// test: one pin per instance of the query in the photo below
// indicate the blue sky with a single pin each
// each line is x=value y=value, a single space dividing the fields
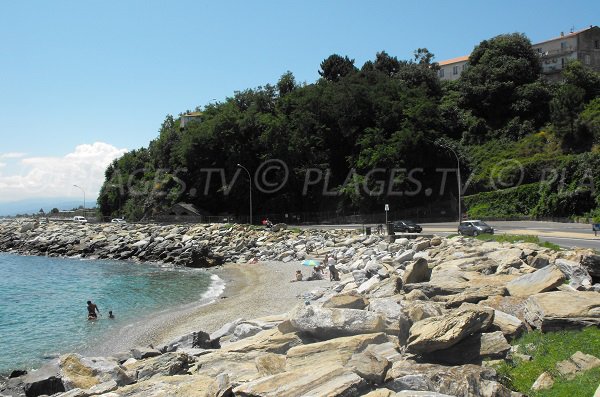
x=91 y=79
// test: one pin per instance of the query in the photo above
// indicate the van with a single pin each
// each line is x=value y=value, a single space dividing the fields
x=79 y=219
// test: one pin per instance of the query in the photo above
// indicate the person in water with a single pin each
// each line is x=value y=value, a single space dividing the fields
x=110 y=314
x=93 y=310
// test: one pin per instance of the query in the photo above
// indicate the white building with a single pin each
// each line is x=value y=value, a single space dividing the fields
x=582 y=45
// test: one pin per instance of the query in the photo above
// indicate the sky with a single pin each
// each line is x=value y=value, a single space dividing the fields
x=82 y=82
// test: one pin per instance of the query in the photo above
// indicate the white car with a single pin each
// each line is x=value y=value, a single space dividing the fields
x=79 y=219
x=118 y=220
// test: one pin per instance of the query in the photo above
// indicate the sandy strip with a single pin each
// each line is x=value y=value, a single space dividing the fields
x=252 y=291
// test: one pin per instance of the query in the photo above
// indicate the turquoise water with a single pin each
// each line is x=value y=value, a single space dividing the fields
x=43 y=302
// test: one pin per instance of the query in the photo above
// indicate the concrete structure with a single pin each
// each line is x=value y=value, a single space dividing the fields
x=582 y=45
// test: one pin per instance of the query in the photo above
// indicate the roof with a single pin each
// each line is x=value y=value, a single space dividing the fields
x=454 y=60
x=192 y=114
x=565 y=36
x=189 y=207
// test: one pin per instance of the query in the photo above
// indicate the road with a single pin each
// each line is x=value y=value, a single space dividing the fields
x=567 y=235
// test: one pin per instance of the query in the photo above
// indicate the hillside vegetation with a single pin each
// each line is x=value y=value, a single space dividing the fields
x=360 y=137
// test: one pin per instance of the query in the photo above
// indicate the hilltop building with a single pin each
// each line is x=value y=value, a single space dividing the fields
x=188 y=117
x=582 y=45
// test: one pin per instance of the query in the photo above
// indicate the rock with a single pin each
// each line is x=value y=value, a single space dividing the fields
x=244 y=330
x=386 y=288
x=474 y=349
x=318 y=381
x=172 y=386
x=462 y=380
x=370 y=366
x=442 y=332
x=350 y=300
x=420 y=310
x=140 y=353
x=541 y=280
x=404 y=256
x=103 y=388
x=474 y=295
x=539 y=261
x=16 y=373
x=551 y=311
x=168 y=364
x=396 y=321
x=360 y=276
x=591 y=263
x=421 y=245
x=85 y=372
x=435 y=241
x=368 y=285
x=46 y=380
x=577 y=275
x=270 y=340
x=325 y=323
x=578 y=363
x=417 y=272
x=510 y=326
x=332 y=352
x=279 y=226
x=416 y=295
x=543 y=382
x=270 y=364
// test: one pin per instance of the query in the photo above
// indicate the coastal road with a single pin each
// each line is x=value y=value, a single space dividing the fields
x=566 y=235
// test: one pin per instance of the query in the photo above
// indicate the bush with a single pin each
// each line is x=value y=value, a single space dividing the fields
x=506 y=203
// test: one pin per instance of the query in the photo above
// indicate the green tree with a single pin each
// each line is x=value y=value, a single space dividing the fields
x=286 y=83
x=336 y=67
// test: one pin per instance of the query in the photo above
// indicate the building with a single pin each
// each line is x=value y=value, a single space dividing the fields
x=186 y=118
x=582 y=45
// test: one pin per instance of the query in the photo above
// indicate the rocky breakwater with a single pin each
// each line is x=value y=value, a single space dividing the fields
x=184 y=245
x=407 y=319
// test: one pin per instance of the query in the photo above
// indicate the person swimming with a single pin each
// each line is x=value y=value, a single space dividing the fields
x=110 y=314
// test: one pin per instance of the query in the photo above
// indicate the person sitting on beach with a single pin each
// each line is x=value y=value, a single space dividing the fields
x=316 y=274
x=110 y=314
x=92 y=309
x=298 y=276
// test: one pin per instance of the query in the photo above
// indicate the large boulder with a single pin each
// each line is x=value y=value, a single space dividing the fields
x=460 y=381
x=552 y=311
x=416 y=272
x=168 y=364
x=592 y=263
x=474 y=295
x=576 y=364
x=323 y=323
x=442 y=332
x=371 y=366
x=578 y=276
x=510 y=326
x=85 y=372
x=46 y=380
x=350 y=300
x=474 y=349
x=542 y=280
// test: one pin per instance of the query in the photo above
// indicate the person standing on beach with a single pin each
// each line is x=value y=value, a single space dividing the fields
x=92 y=309
x=333 y=273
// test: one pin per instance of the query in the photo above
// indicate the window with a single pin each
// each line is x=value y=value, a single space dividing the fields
x=562 y=62
x=455 y=70
x=597 y=44
x=464 y=67
x=587 y=59
x=563 y=45
x=441 y=73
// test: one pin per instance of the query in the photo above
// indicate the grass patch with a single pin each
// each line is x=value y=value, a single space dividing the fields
x=548 y=349
x=518 y=238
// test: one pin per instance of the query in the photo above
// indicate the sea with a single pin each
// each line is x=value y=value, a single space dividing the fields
x=43 y=310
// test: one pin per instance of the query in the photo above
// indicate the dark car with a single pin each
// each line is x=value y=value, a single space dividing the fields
x=407 y=227
x=474 y=228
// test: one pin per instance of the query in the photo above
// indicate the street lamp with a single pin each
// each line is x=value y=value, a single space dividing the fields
x=250 y=187
x=457 y=179
x=83 y=198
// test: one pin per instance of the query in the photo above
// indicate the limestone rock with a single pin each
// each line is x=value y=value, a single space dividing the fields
x=85 y=372
x=592 y=264
x=172 y=386
x=557 y=310
x=140 y=353
x=270 y=340
x=270 y=364
x=539 y=261
x=168 y=364
x=370 y=366
x=46 y=380
x=474 y=349
x=578 y=363
x=318 y=381
x=346 y=301
x=442 y=332
x=543 y=382
x=474 y=295
x=541 y=280
x=509 y=325
x=325 y=323
x=416 y=295
x=577 y=275
x=416 y=272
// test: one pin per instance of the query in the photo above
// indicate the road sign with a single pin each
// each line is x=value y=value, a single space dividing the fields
x=387 y=207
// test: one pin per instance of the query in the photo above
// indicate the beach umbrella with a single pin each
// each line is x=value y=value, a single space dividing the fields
x=311 y=262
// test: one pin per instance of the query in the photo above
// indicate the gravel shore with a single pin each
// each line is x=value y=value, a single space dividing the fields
x=251 y=291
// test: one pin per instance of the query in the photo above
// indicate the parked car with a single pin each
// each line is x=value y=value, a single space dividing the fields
x=79 y=219
x=118 y=220
x=474 y=228
x=407 y=227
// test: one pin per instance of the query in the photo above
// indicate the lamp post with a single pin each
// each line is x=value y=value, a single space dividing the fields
x=457 y=180
x=250 y=188
x=83 y=198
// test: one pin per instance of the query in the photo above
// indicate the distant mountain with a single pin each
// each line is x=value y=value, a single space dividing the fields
x=33 y=205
